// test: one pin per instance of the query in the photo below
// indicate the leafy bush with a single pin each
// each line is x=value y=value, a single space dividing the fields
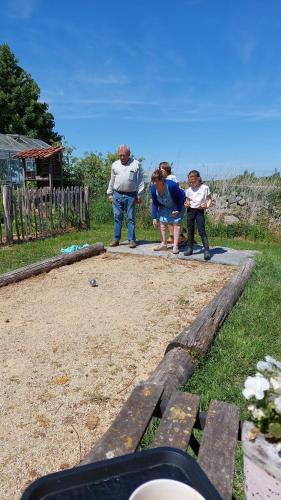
x=240 y=230
x=274 y=199
x=92 y=170
x=100 y=210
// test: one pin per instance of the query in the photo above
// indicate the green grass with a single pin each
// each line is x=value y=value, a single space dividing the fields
x=22 y=254
x=251 y=331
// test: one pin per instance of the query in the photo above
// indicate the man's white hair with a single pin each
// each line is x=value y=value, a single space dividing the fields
x=124 y=146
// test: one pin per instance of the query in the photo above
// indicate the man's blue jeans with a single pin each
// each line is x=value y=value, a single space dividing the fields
x=124 y=203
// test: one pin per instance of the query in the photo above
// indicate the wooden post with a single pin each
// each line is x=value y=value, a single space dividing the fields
x=8 y=212
x=81 y=206
x=61 y=168
x=21 y=216
x=87 y=212
x=174 y=370
x=198 y=337
x=15 y=206
x=51 y=174
x=24 y=172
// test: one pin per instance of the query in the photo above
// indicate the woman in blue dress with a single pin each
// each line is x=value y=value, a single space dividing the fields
x=167 y=208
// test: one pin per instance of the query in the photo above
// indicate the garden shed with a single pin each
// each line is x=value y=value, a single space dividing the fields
x=25 y=159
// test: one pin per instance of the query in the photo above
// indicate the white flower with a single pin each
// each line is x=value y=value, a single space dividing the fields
x=276 y=383
x=273 y=361
x=251 y=408
x=264 y=365
x=255 y=386
x=258 y=413
x=277 y=402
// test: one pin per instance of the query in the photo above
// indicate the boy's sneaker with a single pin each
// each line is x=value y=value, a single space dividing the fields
x=114 y=243
x=132 y=244
x=175 y=250
x=160 y=247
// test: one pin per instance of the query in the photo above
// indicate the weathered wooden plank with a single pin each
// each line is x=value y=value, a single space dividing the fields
x=15 y=206
x=64 y=207
x=174 y=370
x=25 y=213
x=49 y=264
x=59 y=207
x=40 y=211
x=176 y=425
x=51 y=210
x=29 y=211
x=87 y=212
x=67 y=204
x=72 y=200
x=199 y=335
x=218 y=445
x=20 y=212
x=80 y=206
x=125 y=433
x=8 y=212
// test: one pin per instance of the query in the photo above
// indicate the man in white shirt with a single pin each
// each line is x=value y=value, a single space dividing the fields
x=124 y=190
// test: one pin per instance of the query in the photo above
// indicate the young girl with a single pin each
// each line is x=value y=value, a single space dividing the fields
x=166 y=170
x=167 y=208
x=198 y=198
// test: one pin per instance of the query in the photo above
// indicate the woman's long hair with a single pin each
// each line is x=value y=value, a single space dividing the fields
x=157 y=175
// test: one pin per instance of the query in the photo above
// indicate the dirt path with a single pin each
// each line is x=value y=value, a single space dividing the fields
x=70 y=354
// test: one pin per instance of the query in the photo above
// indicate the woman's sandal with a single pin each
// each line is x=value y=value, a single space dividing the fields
x=160 y=247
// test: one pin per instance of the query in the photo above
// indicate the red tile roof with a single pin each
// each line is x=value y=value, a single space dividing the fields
x=39 y=152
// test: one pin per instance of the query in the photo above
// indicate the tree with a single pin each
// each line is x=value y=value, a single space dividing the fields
x=20 y=109
x=92 y=170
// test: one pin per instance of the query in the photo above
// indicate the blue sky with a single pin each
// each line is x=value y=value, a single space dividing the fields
x=195 y=82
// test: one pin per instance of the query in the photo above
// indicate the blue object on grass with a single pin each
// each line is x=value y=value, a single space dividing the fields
x=73 y=248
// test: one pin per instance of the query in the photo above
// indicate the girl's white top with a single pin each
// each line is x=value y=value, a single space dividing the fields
x=172 y=177
x=198 y=195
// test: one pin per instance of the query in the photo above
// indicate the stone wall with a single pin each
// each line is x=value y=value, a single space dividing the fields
x=253 y=205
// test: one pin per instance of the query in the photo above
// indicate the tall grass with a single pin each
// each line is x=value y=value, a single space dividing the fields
x=247 y=231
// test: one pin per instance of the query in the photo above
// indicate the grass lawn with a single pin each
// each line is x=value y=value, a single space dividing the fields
x=251 y=331
x=22 y=254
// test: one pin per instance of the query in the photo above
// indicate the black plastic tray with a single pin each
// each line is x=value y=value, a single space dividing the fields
x=119 y=477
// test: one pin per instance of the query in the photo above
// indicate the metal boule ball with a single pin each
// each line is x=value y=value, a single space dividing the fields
x=93 y=282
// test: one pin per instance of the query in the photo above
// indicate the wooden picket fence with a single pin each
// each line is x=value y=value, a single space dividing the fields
x=27 y=214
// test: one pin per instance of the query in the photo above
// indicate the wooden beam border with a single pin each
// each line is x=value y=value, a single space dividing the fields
x=47 y=265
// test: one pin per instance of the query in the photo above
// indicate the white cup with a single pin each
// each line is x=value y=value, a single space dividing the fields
x=165 y=489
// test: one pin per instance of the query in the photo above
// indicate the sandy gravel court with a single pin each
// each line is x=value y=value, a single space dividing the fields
x=71 y=354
